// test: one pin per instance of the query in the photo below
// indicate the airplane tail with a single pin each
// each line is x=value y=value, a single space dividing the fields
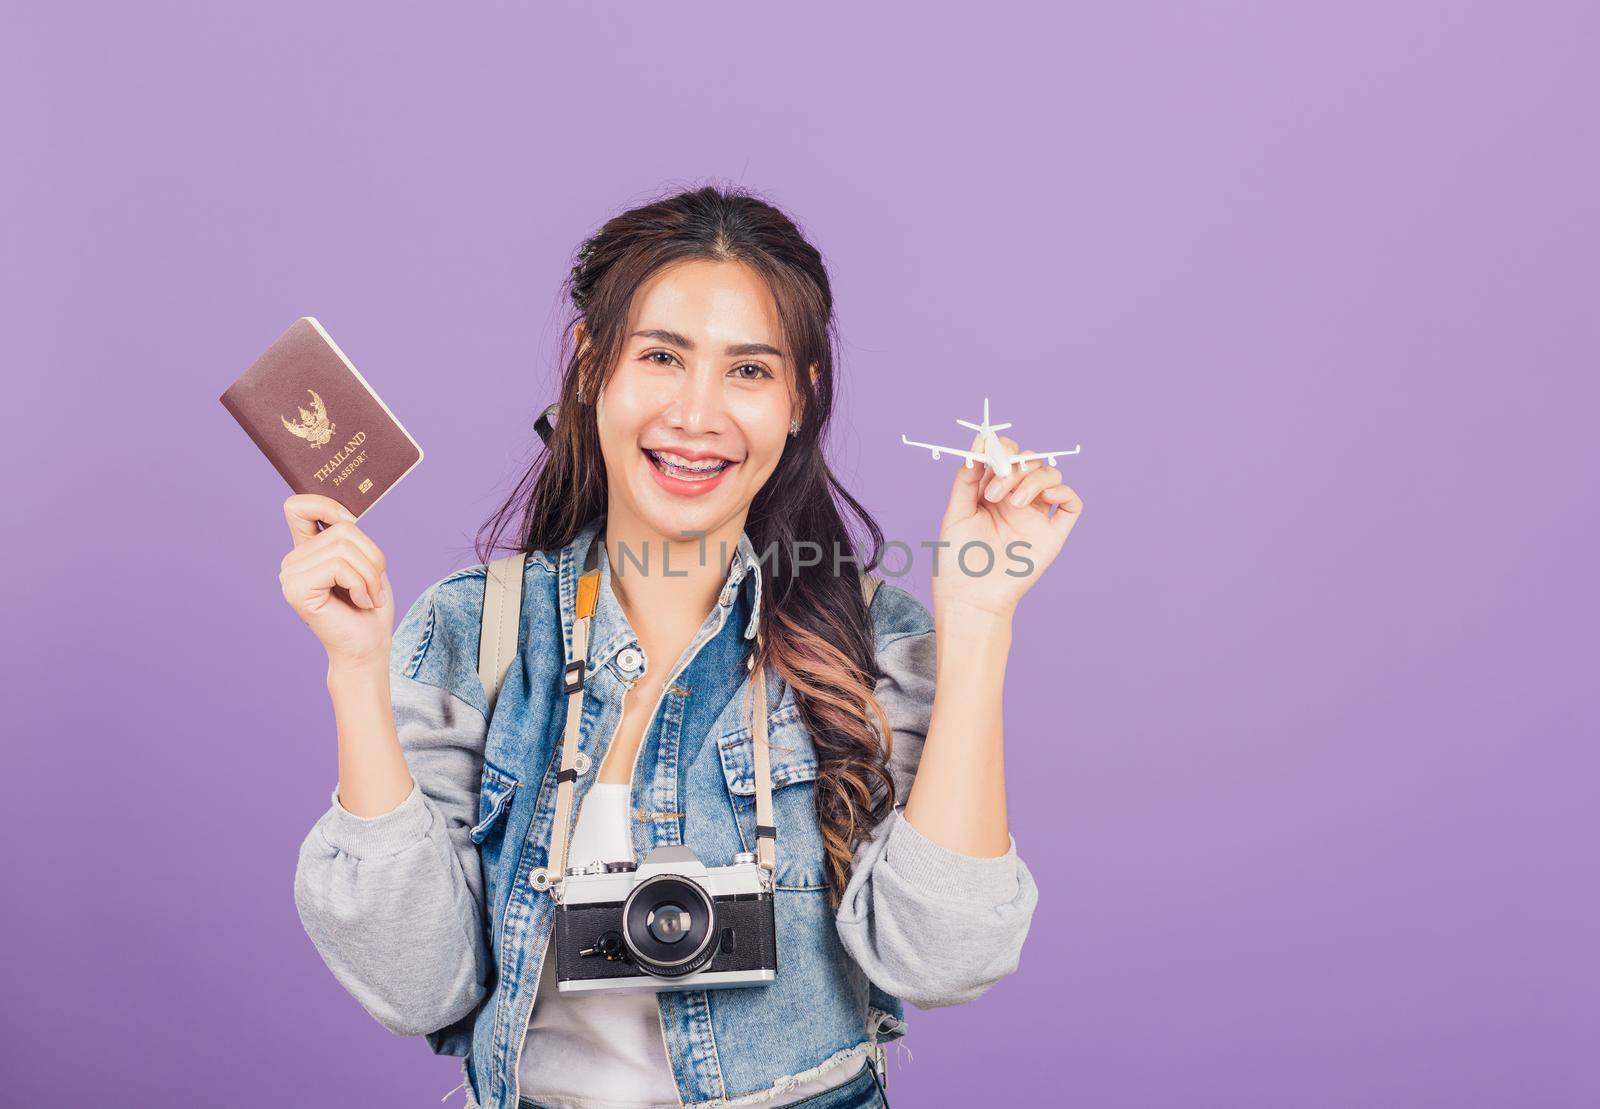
x=986 y=426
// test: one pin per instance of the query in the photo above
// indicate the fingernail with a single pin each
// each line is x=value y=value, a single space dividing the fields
x=994 y=492
x=1016 y=498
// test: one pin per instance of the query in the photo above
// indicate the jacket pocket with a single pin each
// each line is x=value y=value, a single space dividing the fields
x=793 y=765
x=495 y=796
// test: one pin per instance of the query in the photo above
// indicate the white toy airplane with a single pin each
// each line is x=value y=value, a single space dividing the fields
x=994 y=452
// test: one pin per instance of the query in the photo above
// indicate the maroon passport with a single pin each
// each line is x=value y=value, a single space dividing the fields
x=319 y=423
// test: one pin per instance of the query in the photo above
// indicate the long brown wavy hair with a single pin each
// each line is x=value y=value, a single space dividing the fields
x=816 y=632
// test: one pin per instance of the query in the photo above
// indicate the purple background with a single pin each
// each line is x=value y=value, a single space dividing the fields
x=1300 y=729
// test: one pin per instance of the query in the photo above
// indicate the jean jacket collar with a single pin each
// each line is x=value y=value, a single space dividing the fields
x=610 y=631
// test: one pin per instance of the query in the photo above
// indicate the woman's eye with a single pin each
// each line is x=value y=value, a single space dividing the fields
x=667 y=358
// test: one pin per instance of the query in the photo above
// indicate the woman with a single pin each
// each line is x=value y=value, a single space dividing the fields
x=686 y=463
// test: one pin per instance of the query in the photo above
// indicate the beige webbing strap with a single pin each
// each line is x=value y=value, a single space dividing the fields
x=572 y=678
x=766 y=831
x=497 y=634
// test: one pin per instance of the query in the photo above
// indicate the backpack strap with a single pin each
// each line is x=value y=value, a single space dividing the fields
x=869 y=586
x=502 y=613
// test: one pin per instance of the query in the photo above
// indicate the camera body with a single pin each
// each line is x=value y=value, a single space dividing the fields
x=667 y=923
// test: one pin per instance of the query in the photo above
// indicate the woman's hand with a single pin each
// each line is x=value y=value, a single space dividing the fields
x=1011 y=522
x=337 y=581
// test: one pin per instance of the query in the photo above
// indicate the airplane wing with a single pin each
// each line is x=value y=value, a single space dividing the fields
x=938 y=450
x=1031 y=455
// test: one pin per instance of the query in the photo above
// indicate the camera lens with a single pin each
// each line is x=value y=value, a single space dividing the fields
x=669 y=923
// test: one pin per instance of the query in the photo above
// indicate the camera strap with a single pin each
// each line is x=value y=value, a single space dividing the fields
x=766 y=832
x=572 y=682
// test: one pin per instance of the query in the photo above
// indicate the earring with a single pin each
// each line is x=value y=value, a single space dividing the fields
x=794 y=427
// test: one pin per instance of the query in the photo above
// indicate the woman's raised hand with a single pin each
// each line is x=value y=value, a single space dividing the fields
x=337 y=581
x=1010 y=515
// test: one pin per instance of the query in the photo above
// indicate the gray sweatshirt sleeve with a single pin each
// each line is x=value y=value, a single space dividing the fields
x=927 y=924
x=394 y=902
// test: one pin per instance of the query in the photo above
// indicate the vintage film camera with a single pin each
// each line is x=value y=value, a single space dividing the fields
x=669 y=923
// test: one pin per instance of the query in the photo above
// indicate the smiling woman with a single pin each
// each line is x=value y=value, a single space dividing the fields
x=706 y=416
x=684 y=685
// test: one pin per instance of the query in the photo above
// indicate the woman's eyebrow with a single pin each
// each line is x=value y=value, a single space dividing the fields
x=733 y=349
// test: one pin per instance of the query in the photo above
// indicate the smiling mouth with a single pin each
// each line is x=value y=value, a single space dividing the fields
x=677 y=466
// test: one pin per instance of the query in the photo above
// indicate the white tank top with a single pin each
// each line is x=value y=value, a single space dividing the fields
x=606 y=1050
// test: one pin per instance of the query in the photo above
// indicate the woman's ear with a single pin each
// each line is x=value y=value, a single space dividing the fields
x=800 y=404
x=580 y=338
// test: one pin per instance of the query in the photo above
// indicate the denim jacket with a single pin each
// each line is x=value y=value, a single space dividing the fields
x=431 y=916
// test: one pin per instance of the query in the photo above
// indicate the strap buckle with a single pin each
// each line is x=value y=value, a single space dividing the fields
x=767 y=836
x=572 y=676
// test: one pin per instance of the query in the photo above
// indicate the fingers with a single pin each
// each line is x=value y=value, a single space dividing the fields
x=344 y=549
x=997 y=487
x=966 y=487
x=1069 y=507
x=352 y=570
x=340 y=554
x=341 y=538
x=343 y=535
x=355 y=578
x=304 y=511
x=1032 y=484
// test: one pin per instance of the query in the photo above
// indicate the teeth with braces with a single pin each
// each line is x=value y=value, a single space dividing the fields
x=678 y=462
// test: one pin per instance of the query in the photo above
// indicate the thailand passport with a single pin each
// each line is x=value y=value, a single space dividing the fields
x=309 y=410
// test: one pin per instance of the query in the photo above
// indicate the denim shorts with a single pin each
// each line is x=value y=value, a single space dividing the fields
x=861 y=1092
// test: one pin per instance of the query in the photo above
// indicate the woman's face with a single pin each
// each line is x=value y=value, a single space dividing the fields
x=702 y=380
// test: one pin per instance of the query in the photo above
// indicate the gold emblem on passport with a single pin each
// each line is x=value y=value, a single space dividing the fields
x=314 y=426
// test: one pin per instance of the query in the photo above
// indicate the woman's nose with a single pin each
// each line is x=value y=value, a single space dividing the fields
x=699 y=406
